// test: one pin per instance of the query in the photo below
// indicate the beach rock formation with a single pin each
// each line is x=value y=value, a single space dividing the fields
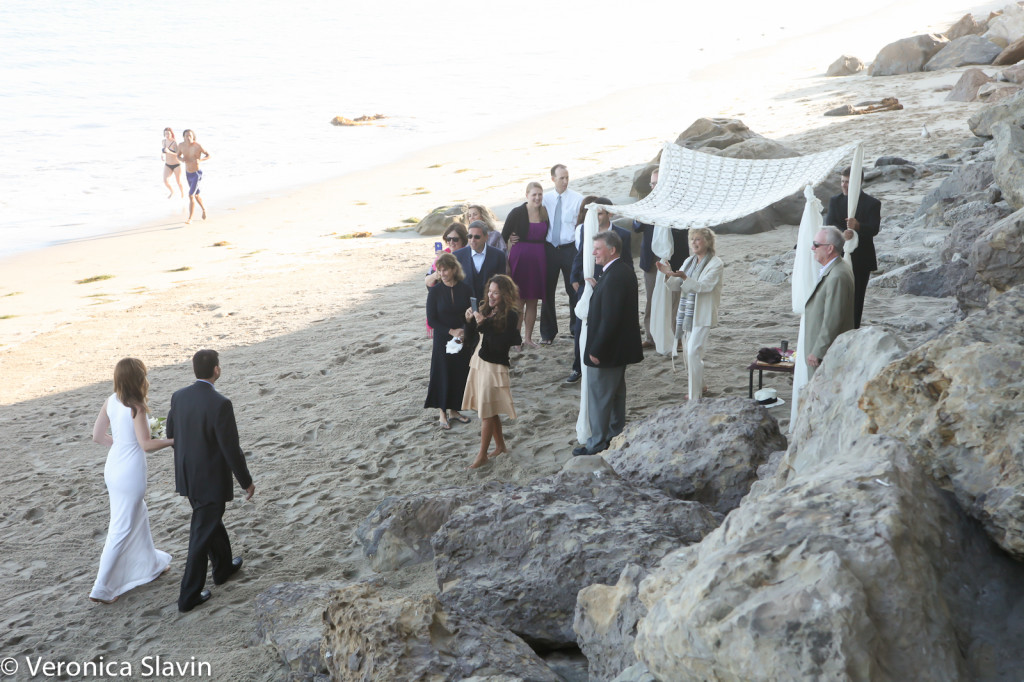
x=358 y=121
x=966 y=179
x=517 y=557
x=954 y=402
x=1008 y=144
x=397 y=533
x=1010 y=111
x=851 y=564
x=844 y=66
x=998 y=254
x=967 y=25
x=371 y=637
x=717 y=133
x=605 y=623
x=1006 y=27
x=707 y=451
x=289 y=618
x=990 y=93
x=1011 y=54
x=964 y=52
x=966 y=89
x=1013 y=74
x=908 y=55
x=438 y=220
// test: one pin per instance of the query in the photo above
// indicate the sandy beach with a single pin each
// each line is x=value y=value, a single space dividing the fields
x=325 y=357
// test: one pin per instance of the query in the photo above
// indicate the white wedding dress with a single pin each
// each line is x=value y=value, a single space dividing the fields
x=129 y=558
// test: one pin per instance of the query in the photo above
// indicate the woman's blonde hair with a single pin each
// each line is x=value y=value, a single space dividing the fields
x=543 y=209
x=709 y=237
x=486 y=217
x=131 y=384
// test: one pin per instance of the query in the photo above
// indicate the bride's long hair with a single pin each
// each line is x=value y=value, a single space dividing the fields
x=131 y=384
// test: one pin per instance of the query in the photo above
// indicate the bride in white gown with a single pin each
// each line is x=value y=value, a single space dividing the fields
x=129 y=558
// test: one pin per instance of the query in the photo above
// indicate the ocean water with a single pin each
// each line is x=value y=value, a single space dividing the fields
x=86 y=88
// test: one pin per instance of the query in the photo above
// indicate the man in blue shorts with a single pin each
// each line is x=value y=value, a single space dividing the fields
x=191 y=152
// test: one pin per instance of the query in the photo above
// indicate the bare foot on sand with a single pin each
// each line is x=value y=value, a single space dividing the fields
x=495 y=452
x=204 y=214
x=478 y=462
x=103 y=601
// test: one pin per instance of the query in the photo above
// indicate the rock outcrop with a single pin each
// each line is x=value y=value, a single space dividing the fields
x=707 y=451
x=438 y=220
x=518 y=556
x=967 y=25
x=289 y=618
x=998 y=254
x=1010 y=111
x=371 y=637
x=908 y=55
x=1008 y=170
x=1011 y=54
x=716 y=133
x=966 y=89
x=964 y=52
x=605 y=624
x=966 y=179
x=1007 y=26
x=844 y=66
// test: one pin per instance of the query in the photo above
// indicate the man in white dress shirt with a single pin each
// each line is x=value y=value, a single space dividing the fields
x=562 y=205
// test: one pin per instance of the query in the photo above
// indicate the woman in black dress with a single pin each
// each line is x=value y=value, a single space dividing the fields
x=487 y=389
x=447 y=302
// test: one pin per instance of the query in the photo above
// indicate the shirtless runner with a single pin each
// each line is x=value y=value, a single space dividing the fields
x=191 y=152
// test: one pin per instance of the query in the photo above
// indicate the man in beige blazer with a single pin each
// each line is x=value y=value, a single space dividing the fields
x=829 y=310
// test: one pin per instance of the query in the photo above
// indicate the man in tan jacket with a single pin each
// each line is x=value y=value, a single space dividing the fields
x=829 y=310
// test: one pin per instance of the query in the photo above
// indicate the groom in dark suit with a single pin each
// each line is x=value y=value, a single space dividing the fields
x=613 y=341
x=206 y=453
x=866 y=224
x=479 y=262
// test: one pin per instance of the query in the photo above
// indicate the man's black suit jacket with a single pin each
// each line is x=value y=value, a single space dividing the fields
x=494 y=264
x=869 y=215
x=613 y=322
x=206 y=451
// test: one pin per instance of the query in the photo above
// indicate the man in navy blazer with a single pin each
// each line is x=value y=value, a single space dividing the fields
x=866 y=224
x=613 y=341
x=206 y=454
x=479 y=262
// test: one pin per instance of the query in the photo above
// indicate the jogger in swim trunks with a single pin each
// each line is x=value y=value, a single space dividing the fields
x=191 y=152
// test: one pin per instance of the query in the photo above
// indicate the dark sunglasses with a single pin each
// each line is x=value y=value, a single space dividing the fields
x=815 y=245
x=476 y=236
x=453 y=239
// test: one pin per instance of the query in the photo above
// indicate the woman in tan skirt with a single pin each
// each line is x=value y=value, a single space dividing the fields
x=487 y=388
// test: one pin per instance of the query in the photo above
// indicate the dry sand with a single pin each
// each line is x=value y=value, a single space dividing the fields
x=325 y=357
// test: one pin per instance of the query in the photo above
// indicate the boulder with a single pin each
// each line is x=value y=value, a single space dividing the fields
x=438 y=220
x=845 y=66
x=397 y=533
x=371 y=637
x=908 y=55
x=990 y=93
x=1008 y=142
x=882 y=161
x=1011 y=54
x=1008 y=26
x=998 y=254
x=1013 y=74
x=605 y=624
x=1010 y=111
x=966 y=89
x=964 y=52
x=954 y=401
x=842 y=110
x=967 y=25
x=707 y=451
x=854 y=566
x=717 y=133
x=517 y=557
x=755 y=148
x=938 y=282
x=971 y=177
x=289 y=618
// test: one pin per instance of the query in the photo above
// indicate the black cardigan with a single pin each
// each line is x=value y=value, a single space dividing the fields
x=494 y=345
x=518 y=223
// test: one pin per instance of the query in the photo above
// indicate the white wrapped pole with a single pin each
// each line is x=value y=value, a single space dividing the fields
x=805 y=277
x=582 y=311
x=853 y=197
x=662 y=315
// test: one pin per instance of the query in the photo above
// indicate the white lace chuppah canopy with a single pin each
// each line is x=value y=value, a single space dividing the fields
x=698 y=189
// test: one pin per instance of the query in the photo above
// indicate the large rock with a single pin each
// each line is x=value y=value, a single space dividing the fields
x=971 y=177
x=707 y=451
x=908 y=55
x=397 y=533
x=518 y=556
x=964 y=52
x=1013 y=74
x=844 y=66
x=854 y=565
x=998 y=254
x=1009 y=111
x=966 y=89
x=289 y=618
x=371 y=637
x=991 y=93
x=1007 y=26
x=717 y=133
x=955 y=402
x=967 y=25
x=605 y=624
x=1008 y=142
x=438 y=220
x=1011 y=54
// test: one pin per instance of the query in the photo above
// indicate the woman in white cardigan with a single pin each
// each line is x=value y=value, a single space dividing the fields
x=700 y=281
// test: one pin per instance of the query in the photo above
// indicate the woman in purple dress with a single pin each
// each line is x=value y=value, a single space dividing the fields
x=525 y=231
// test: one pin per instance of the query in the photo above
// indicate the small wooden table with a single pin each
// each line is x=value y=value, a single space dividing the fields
x=762 y=367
